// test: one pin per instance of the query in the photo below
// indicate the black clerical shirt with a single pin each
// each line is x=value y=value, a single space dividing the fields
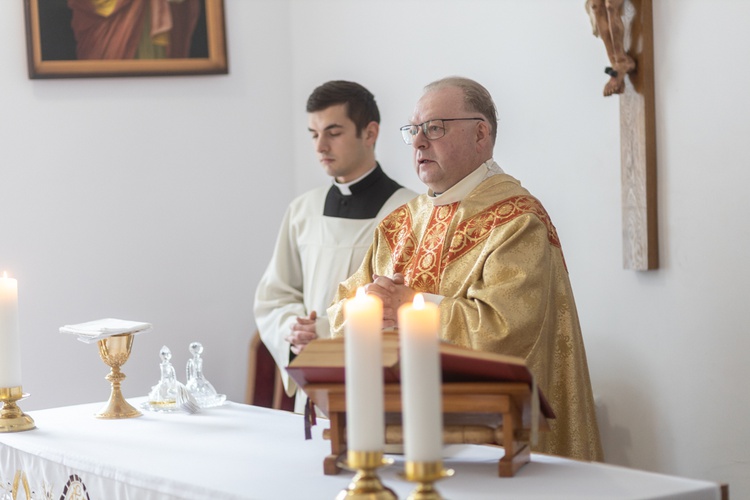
x=367 y=198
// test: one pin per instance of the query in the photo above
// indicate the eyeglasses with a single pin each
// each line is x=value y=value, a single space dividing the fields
x=432 y=129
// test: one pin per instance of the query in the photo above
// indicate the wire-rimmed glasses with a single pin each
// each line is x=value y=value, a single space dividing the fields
x=432 y=129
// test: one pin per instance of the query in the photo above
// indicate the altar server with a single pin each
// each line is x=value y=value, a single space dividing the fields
x=325 y=232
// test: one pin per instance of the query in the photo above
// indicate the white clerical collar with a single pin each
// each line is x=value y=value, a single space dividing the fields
x=344 y=188
x=462 y=188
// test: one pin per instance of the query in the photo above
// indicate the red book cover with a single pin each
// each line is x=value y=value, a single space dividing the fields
x=322 y=362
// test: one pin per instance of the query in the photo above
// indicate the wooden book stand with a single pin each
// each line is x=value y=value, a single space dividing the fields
x=487 y=399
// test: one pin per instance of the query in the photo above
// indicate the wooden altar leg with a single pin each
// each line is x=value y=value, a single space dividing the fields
x=508 y=466
x=517 y=454
x=338 y=443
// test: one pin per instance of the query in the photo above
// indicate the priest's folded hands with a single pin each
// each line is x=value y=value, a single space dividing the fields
x=393 y=292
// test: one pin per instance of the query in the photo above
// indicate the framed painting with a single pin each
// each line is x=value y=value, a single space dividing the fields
x=105 y=38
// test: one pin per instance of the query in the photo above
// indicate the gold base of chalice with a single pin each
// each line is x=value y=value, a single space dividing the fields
x=12 y=419
x=425 y=473
x=115 y=351
x=366 y=484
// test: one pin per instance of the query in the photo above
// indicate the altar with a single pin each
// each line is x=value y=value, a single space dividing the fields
x=241 y=452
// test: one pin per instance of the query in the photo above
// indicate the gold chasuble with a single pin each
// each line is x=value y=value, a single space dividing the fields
x=496 y=260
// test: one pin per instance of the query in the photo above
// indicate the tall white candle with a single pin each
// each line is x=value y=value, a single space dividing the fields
x=363 y=341
x=10 y=341
x=421 y=385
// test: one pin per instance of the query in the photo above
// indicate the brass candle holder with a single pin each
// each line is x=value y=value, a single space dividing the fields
x=12 y=419
x=115 y=351
x=425 y=473
x=366 y=484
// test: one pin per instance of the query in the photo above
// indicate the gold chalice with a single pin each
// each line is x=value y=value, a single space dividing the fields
x=115 y=351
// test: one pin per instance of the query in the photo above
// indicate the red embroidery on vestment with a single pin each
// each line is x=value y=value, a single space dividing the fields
x=422 y=264
x=397 y=229
x=427 y=264
x=475 y=230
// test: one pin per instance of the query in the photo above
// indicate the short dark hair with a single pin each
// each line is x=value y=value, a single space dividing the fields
x=361 y=107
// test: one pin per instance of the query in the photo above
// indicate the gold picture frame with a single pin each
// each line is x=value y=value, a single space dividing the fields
x=53 y=52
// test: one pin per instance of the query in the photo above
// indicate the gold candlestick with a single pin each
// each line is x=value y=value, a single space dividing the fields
x=115 y=351
x=366 y=484
x=12 y=419
x=425 y=473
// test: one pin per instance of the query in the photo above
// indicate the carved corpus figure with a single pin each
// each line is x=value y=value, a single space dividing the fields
x=607 y=23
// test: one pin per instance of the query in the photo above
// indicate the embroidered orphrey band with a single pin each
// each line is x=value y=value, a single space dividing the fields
x=422 y=263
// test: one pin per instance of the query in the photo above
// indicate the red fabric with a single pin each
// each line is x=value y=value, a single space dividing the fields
x=265 y=376
x=184 y=19
x=112 y=37
x=116 y=36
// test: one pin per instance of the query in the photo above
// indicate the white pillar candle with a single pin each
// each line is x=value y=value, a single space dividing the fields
x=363 y=341
x=421 y=384
x=10 y=341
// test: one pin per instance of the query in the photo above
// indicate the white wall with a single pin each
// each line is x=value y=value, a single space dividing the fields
x=152 y=199
x=197 y=195
x=667 y=349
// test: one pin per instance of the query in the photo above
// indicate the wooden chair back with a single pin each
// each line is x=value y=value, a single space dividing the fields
x=264 y=385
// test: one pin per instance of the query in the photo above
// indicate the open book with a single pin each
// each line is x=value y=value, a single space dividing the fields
x=322 y=362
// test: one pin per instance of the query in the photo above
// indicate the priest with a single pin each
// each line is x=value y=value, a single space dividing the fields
x=485 y=250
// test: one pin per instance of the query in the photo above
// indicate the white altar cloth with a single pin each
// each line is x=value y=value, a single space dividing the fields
x=245 y=452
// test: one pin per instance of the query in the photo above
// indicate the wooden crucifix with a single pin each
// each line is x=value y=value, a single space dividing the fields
x=626 y=28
